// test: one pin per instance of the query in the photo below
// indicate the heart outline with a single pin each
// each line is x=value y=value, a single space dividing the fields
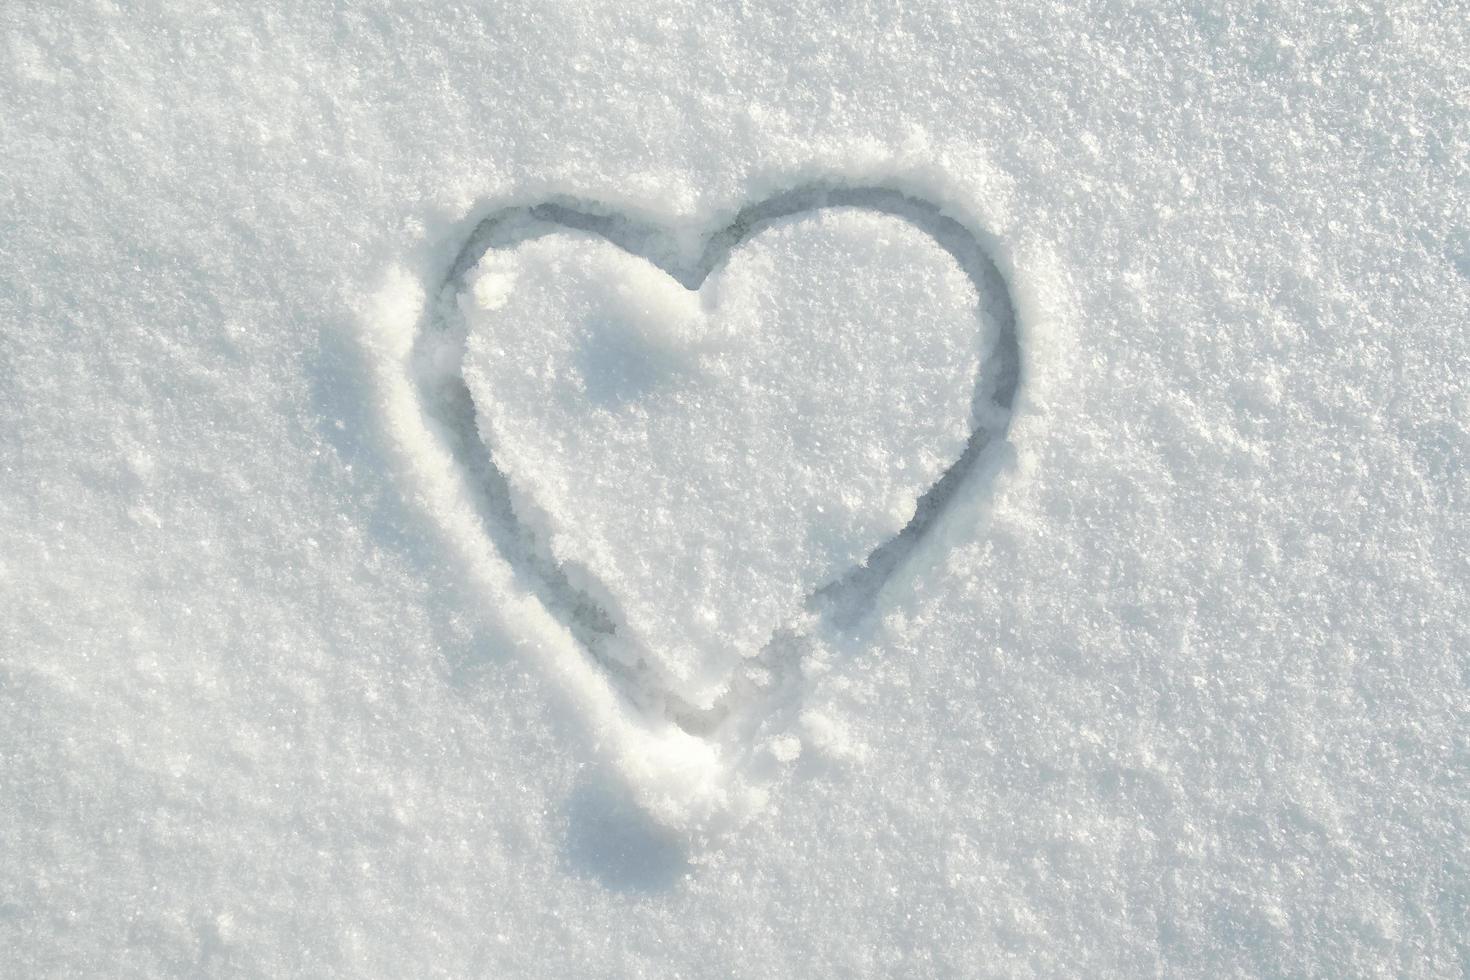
x=844 y=601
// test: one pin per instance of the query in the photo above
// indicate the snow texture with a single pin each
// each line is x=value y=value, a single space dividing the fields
x=317 y=660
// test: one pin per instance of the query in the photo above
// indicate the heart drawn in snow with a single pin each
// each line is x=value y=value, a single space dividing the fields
x=692 y=447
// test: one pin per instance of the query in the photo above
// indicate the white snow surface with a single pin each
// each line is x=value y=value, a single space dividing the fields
x=1178 y=681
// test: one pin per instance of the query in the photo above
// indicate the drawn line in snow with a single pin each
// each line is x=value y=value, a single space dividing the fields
x=841 y=603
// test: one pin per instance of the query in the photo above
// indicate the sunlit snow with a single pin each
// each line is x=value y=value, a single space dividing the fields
x=766 y=489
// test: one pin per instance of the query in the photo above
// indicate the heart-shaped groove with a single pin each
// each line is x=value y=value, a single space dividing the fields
x=842 y=602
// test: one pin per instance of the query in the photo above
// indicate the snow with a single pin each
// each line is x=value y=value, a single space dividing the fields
x=1174 y=677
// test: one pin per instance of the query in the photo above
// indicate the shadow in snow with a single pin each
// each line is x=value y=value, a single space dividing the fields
x=612 y=841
